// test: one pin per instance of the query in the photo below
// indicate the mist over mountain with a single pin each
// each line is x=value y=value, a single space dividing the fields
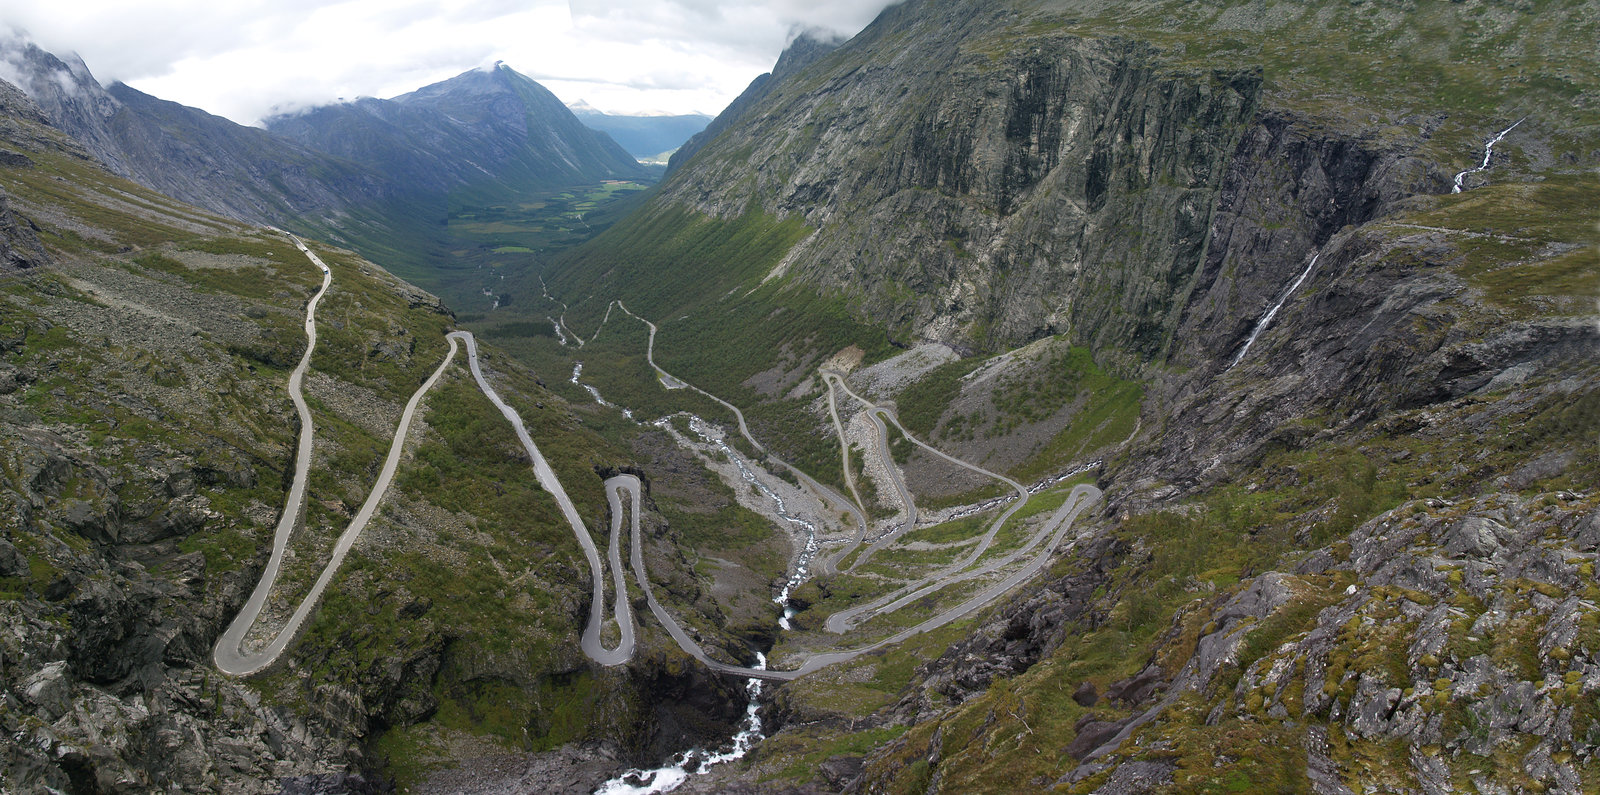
x=241 y=172
x=377 y=174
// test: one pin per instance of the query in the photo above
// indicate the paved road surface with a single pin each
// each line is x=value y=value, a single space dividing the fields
x=229 y=654
x=1059 y=523
x=827 y=495
x=622 y=611
x=902 y=493
x=846 y=619
x=231 y=659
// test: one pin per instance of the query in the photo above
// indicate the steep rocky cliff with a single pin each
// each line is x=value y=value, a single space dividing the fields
x=988 y=175
x=1343 y=419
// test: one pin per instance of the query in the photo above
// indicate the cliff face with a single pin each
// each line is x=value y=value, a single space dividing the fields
x=982 y=184
x=987 y=175
x=806 y=49
x=1348 y=534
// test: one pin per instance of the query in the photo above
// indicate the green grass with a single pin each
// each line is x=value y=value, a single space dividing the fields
x=920 y=406
x=1508 y=257
x=810 y=748
x=1433 y=56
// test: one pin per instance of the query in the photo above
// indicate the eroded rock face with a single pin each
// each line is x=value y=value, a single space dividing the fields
x=19 y=240
x=987 y=200
x=1026 y=631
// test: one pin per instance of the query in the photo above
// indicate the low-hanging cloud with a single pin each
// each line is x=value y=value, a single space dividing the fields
x=244 y=58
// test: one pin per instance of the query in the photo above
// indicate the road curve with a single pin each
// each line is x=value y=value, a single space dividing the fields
x=828 y=495
x=229 y=654
x=622 y=611
x=903 y=493
x=844 y=444
x=1081 y=497
x=845 y=619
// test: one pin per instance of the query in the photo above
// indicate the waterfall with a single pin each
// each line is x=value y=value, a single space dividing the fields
x=1488 y=150
x=1261 y=325
x=695 y=760
x=577 y=370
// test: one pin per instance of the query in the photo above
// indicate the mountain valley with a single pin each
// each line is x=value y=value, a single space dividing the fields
x=1053 y=395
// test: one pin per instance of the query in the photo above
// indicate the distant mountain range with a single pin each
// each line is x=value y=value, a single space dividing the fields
x=649 y=137
x=484 y=129
x=375 y=174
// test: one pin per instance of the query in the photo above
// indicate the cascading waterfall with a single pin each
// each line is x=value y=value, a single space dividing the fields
x=694 y=760
x=1261 y=325
x=1488 y=151
x=686 y=763
x=803 y=563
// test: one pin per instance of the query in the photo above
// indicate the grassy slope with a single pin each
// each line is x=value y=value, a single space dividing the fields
x=467 y=587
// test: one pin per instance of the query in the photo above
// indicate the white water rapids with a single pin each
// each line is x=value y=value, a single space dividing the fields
x=1266 y=319
x=577 y=370
x=695 y=760
x=1488 y=150
x=713 y=435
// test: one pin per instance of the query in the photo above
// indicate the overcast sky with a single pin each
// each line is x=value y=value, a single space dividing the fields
x=246 y=59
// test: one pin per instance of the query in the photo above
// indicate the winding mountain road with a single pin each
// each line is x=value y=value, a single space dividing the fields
x=902 y=493
x=1059 y=523
x=229 y=655
x=961 y=571
x=846 y=619
x=622 y=611
x=827 y=495
x=844 y=445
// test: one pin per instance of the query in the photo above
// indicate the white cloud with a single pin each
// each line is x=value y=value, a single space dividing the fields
x=243 y=58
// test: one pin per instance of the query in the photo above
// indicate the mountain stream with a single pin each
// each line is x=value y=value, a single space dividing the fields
x=1488 y=150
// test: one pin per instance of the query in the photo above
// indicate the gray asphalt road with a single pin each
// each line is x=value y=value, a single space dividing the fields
x=827 y=495
x=229 y=654
x=1056 y=529
x=844 y=444
x=622 y=611
x=231 y=659
x=902 y=493
x=846 y=619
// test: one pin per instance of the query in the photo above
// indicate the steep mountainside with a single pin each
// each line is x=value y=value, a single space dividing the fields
x=147 y=445
x=1305 y=293
x=991 y=174
x=186 y=153
x=376 y=175
x=806 y=48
